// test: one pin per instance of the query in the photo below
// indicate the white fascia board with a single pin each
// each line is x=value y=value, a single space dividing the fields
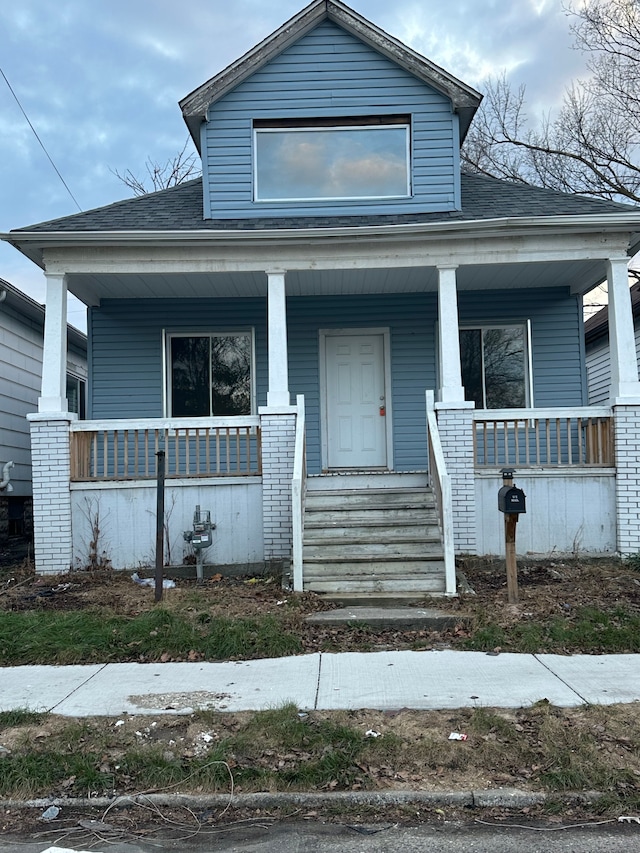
x=532 y=224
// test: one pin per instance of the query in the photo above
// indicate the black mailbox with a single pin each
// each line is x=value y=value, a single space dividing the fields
x=511 y=500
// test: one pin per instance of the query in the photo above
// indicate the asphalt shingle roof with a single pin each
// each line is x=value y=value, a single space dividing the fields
x=180 y=209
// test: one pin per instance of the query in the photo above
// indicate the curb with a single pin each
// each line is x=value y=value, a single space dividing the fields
x=511 y=798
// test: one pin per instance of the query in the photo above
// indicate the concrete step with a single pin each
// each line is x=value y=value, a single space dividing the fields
x=398 y=616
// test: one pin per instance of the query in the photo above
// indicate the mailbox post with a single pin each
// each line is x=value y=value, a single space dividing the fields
x=511 y=502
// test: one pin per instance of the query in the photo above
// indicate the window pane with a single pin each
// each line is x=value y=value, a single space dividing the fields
x=332 y=163
x=504 y=367
x=190 y=377
x=76 y=396
x=231 y=374
x=471 y=363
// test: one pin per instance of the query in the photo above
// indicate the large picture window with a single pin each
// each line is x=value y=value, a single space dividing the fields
x=210 y=374
x=494 y=366
x=321 y=161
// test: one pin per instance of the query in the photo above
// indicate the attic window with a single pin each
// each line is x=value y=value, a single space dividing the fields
x=332 y=159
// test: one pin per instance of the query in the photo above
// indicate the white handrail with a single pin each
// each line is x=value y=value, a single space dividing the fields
x=298 y=495
x=440 y=482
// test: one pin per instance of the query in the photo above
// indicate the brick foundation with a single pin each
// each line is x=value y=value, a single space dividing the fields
x=455 y=426
x=627 y=456
x=278 y=445
x=50 y=458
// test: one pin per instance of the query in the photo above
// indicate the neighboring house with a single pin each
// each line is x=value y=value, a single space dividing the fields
x=596 y=336
x=21 y=344
x=337 y=336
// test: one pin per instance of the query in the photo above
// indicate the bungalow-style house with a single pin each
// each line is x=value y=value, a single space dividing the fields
x=338 y=336
x=22 y=322
x=596 y=337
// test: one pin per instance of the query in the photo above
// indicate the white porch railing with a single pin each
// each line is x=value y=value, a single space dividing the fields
x=194 y=447
x=440 y=483
x=298 y=494
x=532 y=438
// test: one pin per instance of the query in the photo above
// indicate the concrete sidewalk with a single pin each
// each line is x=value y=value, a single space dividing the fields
x=380 y=680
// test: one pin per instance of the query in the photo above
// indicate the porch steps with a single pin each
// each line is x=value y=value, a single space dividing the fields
x=373 y=541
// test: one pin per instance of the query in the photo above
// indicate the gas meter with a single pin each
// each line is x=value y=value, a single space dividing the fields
x=200 y=537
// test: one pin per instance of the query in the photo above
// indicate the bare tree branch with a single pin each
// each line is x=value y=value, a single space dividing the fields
x=160 y=176
x=592 y=146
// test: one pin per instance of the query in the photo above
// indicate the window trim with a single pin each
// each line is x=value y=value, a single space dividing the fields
x=82 y=393
x=525 y=325
x=325 y=125
x=169 y=335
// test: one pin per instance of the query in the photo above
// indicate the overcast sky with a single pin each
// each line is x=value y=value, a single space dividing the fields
x=100 y=81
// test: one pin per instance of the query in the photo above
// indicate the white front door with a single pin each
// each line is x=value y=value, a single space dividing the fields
x=356 y=412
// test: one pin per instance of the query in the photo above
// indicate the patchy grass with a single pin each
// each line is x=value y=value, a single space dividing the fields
x=588 y=630
x=542 y=748
x=160 y=634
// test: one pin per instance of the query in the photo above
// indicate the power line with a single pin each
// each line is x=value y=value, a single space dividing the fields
x=35 y=133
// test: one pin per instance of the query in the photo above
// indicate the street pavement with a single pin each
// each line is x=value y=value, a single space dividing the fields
x=426 y=680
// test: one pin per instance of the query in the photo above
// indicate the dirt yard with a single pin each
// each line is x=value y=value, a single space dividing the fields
x=550 y=591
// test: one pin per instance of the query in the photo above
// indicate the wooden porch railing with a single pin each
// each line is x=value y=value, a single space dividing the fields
x=529 y=438
x=126 y=450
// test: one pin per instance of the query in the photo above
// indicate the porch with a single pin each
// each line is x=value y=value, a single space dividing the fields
x=350 y=533
x=377 y=310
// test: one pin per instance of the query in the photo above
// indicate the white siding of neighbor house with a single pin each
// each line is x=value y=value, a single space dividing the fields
x=21 y=342
x=568 y=513
x=125 y=514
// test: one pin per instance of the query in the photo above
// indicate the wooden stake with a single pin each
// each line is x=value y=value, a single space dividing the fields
x=510 y=521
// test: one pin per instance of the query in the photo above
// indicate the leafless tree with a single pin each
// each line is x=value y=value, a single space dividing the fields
x=592 y=146
x=160 y=176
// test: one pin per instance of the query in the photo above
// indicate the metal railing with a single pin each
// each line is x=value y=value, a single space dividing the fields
x=298 y=494
x=126 y=450
x=530 y=438
x=440 y=482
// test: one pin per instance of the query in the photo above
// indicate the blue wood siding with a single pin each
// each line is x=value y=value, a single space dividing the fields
x=556 y=331
x=329 y=72
x=127 y=348
x=127 y=339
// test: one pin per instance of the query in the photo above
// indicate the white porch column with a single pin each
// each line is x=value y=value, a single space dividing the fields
x=451 y=390
x=622 y=346
x=54 y=361
x=278 y=392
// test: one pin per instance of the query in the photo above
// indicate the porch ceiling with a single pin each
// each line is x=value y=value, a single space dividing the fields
x=91 y=288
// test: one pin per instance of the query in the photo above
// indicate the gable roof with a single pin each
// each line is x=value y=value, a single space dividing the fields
x=194 y=106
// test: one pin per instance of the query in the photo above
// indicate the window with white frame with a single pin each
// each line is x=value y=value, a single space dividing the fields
x=210 y=374
x=76 y=395
x=367 y=157
x=494 y=362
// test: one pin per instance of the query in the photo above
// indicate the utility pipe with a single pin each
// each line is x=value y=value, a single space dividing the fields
x=6 y=476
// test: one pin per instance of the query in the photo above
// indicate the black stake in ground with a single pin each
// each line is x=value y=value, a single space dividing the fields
x=159 y=524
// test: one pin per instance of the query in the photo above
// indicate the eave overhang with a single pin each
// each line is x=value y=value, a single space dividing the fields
x=195 y=106
x=32 y=243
